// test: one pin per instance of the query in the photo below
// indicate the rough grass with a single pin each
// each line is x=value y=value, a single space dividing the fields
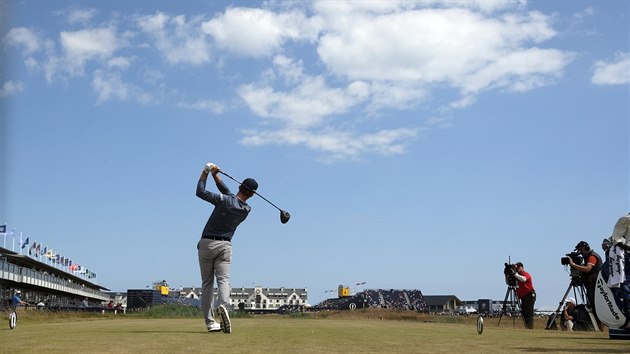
x=369 y=331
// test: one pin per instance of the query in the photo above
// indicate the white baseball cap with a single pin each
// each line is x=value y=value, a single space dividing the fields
x=571 y=300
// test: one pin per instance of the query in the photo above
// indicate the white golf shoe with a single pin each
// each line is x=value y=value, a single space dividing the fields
x=226 y=326
x=215 y=327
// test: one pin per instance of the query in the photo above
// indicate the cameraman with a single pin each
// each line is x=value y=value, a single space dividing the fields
x=590 y=270
x=525 y=291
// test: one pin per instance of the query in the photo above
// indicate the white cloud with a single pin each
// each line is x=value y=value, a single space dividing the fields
x=587 y=12
x=77 y=15
x=426 y=46
x=291 y=70
x=258 y=32
x=109 y=86
x=119 y=62
x=520 y=70
x=398 y=95
x=10 y=88
x=337 y=144
x=616 y=72
x=84 y=45
x=306 y=105
x=179 y=40
x=24 y=38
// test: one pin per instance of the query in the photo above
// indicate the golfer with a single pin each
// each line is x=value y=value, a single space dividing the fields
x=215 y=247
x=17 y=300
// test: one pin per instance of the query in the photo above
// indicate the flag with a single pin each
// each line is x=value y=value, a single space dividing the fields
x=33 y=247
x=3 y=232
x=44 y=251
x=25 y=242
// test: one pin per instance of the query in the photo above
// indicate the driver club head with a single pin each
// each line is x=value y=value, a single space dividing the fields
x=284 y=216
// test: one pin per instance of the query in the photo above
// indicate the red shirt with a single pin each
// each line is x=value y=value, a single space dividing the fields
x=592 y=260
x=526 y=287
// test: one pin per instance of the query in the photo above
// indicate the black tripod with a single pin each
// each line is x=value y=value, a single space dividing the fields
x=514 y=304
x=578 y=289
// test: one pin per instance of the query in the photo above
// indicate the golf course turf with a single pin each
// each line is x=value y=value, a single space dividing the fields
x=362 y=331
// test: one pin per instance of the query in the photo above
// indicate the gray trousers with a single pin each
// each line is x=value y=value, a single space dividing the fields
x=215 y=259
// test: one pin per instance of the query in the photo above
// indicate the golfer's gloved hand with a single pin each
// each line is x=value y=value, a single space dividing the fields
x=212 y=168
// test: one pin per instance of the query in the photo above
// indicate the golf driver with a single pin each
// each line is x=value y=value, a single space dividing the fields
x=284 y=215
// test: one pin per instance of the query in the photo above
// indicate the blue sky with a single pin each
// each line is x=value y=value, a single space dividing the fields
x=417 y=145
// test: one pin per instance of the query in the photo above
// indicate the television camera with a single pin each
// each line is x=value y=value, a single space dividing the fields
x=509 y=271
x=577 y=259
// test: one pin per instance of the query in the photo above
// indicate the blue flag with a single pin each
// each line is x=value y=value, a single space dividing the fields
x=25 y=243
x=3 y=229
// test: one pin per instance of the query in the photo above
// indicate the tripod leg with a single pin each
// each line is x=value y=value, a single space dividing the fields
x=589 y=309
x=503 y=309
x=553 y=316
x=513 y=299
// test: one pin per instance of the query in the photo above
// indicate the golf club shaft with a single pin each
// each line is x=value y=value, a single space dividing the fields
x=235 y=180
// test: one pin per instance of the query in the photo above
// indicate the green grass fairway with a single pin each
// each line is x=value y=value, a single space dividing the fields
x=273 y=334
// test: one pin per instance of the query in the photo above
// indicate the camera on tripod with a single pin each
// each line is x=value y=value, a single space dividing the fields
x=575 y=256
x=509 y=271
x=577 y=259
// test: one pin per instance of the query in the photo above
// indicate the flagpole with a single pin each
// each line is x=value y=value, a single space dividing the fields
x=20 y=244
x=13 y=239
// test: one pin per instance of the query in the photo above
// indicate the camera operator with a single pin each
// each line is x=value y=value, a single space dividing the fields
x=589 y=271
x=525 y=291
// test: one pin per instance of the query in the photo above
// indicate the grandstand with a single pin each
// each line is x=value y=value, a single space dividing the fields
x=45 y=284
x=378 y=298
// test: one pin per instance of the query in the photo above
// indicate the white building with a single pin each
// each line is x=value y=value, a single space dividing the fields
x=256 y=298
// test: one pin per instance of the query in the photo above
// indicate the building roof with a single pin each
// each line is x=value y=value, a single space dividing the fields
x=439 y=300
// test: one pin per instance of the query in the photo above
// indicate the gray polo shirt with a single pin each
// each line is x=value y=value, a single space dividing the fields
x=228 y=211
